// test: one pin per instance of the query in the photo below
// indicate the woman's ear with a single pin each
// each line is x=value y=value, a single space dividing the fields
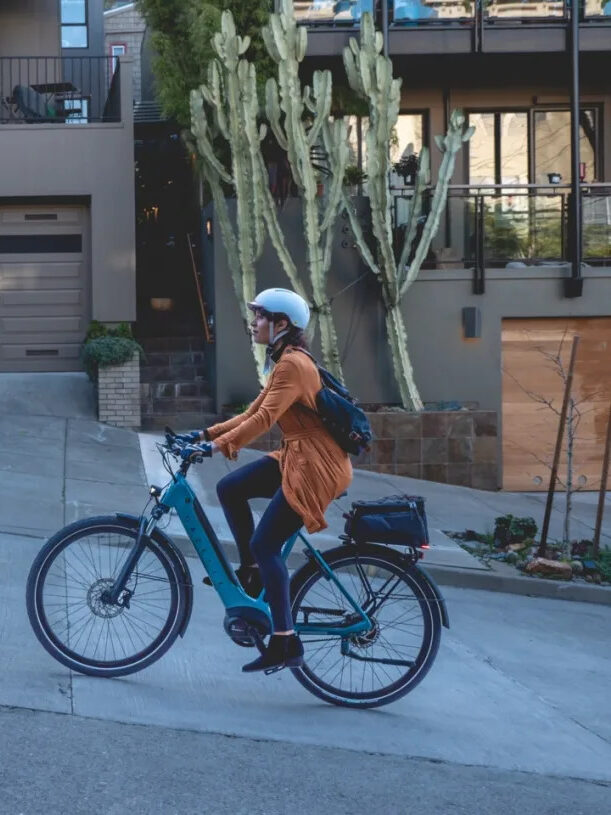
x=281 y=325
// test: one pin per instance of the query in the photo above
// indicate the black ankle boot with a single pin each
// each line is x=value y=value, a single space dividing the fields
x=281 y=652
x=250 y=580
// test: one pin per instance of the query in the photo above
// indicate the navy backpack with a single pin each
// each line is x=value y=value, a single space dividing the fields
x=345 y=422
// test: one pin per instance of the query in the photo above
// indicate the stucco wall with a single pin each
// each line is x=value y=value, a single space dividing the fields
x=30 y=28
x=94 y=161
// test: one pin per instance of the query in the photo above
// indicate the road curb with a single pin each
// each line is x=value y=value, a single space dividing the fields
x=462 y=578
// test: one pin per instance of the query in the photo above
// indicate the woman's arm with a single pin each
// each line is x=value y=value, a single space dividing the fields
x=224 y=427
x=284 y=388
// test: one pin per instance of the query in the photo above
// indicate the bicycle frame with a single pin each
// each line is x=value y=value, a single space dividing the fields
x=179 y=496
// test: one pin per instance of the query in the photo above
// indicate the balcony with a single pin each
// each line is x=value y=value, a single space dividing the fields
x=458 y=26
x=513 y=227
x=59 y=90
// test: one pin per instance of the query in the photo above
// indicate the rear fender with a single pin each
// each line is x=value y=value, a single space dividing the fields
x=441 y=603
x=167 y=543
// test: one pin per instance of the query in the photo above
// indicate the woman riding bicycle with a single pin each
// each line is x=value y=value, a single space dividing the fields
x=301 y=479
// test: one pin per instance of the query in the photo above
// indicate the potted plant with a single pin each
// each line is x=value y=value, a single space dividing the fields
x=354 y=177
x=407 y=168
x=105 y=346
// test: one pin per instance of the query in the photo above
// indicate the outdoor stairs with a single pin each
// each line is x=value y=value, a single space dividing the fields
x=174 y=389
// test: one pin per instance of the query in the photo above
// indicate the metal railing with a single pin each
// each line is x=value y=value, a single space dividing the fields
x=59 y=90
x=512 y=226
x=447 y=12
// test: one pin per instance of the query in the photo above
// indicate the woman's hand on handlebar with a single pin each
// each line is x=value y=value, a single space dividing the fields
x=192 y=437
x=198 y=452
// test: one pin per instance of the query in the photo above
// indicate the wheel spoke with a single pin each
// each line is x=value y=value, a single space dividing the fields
x=401 y=630
x=72 y=599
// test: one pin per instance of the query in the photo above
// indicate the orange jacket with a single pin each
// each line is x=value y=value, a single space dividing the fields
x=315 y=470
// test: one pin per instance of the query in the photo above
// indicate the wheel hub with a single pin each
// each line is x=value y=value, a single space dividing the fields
x=96 y=599
x=367 y=638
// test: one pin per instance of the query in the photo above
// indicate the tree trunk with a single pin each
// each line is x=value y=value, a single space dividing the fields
x=404 y=373
x=570 y=440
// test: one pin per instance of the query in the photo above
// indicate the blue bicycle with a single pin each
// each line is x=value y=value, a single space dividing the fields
x=107 y=596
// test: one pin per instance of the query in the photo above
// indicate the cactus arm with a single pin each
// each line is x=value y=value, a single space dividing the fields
x=359 y=238
x=201 y=132
x=423 y=179
x=450 y=145
x=322 y=94
x=272 y=111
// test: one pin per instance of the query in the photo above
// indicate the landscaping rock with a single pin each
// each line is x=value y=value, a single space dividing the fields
x=511 y=557
x=577 y=567
x=556 y=569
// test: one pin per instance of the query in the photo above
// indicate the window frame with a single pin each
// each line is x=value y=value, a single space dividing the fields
x=531 y=111
x=115 y=57
x=84 y=25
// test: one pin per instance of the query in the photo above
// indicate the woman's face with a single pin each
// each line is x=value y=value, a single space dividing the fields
x=261 y=327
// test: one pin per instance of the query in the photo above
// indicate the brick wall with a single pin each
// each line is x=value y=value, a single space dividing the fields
x=119 y=394
x=451 y=447
x=127 y=27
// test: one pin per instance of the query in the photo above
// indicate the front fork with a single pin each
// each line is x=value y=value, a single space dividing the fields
x=145 y=530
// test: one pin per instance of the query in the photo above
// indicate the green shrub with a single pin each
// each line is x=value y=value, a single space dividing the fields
x=511 y=529
x=97 y=329
x=104 y=351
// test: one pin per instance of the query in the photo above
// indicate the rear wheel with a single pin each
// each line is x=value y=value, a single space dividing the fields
x=68 y=607
x=375 y=667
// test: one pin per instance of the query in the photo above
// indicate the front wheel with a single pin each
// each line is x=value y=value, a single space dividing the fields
x=67 y=603
x=375 y=667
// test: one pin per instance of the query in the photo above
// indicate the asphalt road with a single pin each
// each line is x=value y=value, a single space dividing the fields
x=56 y=764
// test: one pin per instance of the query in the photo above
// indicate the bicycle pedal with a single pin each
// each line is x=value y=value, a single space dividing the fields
x=273 y=670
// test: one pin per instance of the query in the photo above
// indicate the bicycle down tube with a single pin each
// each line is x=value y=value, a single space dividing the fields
x=180 y=496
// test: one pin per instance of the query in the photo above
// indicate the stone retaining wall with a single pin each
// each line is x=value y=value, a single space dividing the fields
x=452 y=447
x=119 y=394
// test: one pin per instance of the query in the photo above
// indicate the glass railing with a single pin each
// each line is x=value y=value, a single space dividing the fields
x=523 y=9
x=405 y=12
x=331 y=12
x=514 y=227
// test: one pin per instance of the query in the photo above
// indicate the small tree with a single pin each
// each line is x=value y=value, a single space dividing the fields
x=574 y=416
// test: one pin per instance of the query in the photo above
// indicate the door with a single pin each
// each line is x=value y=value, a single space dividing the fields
x=533 y=389
x=44 y=287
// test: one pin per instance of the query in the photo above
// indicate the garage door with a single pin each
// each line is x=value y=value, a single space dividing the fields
x=44 y=287
x=530 y=376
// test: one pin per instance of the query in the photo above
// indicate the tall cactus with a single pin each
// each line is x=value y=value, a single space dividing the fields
x=299 y=120
x=370 y=75
x=227 y=106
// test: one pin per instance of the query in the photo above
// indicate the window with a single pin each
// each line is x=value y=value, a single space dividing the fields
x=117 y=49
x=74 y=23
x=40 y=244
x=553 y=145
x=518 y=147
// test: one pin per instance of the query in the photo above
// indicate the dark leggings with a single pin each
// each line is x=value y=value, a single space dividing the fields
x=262 y=479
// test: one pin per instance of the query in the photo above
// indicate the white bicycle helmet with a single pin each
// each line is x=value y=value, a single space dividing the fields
x=283 y=301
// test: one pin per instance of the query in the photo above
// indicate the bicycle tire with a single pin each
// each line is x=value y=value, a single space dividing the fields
x=88 y=595
x=343 y=559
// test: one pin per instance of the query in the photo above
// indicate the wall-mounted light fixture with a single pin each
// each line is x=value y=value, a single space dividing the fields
x=209 y=227
x=471 y=322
